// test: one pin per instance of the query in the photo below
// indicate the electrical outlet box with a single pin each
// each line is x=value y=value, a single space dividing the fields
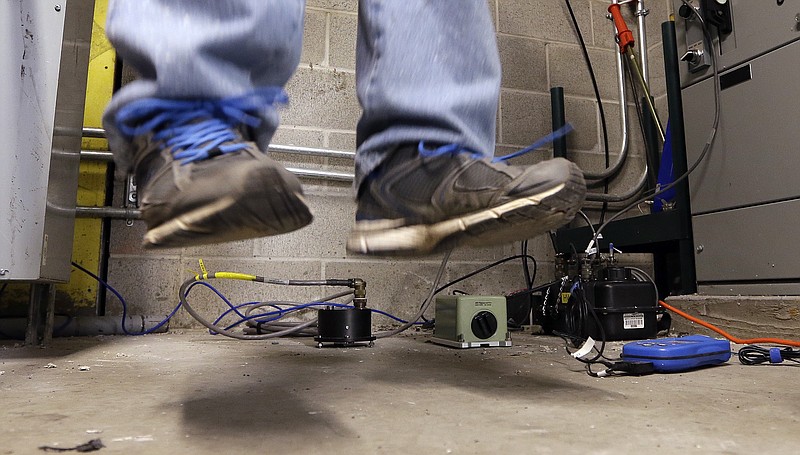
x=471 y=321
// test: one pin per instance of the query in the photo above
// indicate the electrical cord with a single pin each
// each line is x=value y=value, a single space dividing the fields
x=603 y=122
x=754 y=355
x=125 y=305
x=712 y=327
x=726 y=334
x=706 y=147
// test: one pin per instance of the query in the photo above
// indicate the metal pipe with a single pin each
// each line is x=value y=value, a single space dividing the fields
x=600 y=197
x=641 y=15
x=108 y=212
x=623 y=103
x=326 y=175
x=637 y=70
x=93 y=155
x=67 y=326
x=101 y=133
x=311 y=151
x=558 y=120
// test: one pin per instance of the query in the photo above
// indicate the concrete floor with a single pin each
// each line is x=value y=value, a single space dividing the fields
x=194 y=393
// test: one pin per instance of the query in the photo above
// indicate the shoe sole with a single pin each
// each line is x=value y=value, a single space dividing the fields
x=229 y=218
x=518 y=219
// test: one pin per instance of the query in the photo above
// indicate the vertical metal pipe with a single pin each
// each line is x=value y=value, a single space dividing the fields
x=641 y=16
x=688 y=277
x=558 y=120
x=41 y=311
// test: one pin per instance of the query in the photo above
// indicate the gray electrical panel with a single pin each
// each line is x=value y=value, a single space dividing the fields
x=43 y=65
x=745 y=195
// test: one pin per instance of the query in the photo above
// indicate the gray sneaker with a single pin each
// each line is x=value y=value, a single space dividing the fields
x=201 y=182
x=416 y=204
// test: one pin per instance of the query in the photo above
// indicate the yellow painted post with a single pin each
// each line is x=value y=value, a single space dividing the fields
x=81 y=291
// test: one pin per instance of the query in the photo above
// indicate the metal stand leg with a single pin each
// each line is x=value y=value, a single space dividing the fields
x=40 y=314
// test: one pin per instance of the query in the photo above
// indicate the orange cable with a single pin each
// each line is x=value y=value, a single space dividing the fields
x=726 y=334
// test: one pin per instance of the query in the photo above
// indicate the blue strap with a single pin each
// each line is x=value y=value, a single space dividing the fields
x=197 y=129
x=775 y=355
x=454 y=149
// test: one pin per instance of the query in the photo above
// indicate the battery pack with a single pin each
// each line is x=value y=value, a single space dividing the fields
x=670 y=355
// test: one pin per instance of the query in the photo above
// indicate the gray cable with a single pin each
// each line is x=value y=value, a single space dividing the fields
x=229 y=333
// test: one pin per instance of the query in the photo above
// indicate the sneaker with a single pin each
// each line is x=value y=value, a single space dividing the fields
x=200 y=181
x=421 y=202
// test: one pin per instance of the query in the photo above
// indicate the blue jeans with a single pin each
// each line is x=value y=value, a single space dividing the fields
x=425 y=69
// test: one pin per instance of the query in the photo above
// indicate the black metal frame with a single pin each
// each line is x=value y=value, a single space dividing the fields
x=668 y=234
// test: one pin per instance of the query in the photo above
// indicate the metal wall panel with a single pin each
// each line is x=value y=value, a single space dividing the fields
x=759 y=26
x=745 y=197
x=751 y=244
x=43 y=72
x=756 y=155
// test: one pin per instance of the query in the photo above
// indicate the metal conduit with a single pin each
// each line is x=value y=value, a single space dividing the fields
x=623 y=102
x=134 y=214
x=300 y=172
x=600 y=197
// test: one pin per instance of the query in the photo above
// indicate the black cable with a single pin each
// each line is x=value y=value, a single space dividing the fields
x=480 y=270
x=597 y=98
x=3 y=288
x=475 y=272
x=530 y=278
x=754 y=355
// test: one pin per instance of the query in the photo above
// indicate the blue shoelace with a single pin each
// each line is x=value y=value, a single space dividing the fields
x=197 y=129
x=456 y=149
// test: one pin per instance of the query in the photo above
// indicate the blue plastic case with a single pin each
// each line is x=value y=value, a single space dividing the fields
x=678 y=354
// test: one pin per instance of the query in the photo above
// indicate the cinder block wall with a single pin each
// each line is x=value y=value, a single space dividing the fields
x=539 y=50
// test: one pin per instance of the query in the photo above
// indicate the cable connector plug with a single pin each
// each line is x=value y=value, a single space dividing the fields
x=622 y=367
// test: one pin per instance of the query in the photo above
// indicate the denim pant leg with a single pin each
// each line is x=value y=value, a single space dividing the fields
x=203 y=49
x=426 y=70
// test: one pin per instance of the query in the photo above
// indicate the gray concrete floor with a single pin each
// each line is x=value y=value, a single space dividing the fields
x=194 y=393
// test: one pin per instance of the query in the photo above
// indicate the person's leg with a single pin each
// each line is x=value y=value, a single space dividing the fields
x=211 y=75
x=429 y=81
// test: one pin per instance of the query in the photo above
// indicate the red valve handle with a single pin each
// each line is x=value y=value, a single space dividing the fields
x=624 y=34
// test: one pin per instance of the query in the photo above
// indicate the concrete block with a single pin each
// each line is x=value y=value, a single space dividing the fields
x=338 y=140
x=568 y=69
x=524 y=63
x=524 y=117
x=315 y=34
x=624 y=181
x=339 y=5
x=583 y=116
x=334 y=213
x=343 y=41
x=300 y=137
x=128 y=240
x=741 y=316
x=240 y=248
x=397 y=286
x=149 y=285
x=500 y=280
x=546 y=19
x=635 y=141
x=322 y=99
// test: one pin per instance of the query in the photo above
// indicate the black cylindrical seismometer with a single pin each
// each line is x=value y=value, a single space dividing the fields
x=344 y=327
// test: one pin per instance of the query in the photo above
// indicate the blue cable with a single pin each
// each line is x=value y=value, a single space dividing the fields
x=279 y=313
x=125 y=306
